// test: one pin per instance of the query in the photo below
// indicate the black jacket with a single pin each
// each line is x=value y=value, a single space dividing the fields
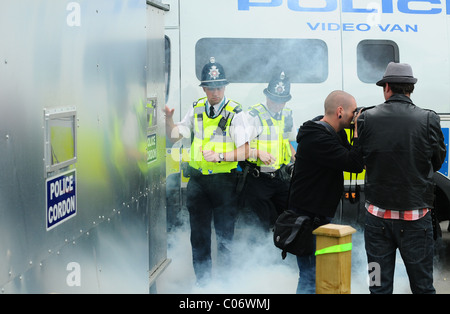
x=402 y=147
x=318 y=182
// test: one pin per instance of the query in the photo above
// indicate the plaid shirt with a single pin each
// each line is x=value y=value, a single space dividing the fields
x=408 y=215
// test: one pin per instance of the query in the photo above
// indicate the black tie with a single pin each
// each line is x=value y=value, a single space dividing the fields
x=211 y=112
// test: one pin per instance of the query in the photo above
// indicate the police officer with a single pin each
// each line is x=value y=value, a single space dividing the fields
x=266 y=188
x=218 y=142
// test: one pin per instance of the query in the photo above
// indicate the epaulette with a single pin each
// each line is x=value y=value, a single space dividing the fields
x=430 y=110
x=237 y=109
x=253 y=112
x=196 y=102
x=367 y=108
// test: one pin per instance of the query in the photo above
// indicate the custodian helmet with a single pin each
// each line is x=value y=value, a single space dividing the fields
x=213 y=74
x=279 y=88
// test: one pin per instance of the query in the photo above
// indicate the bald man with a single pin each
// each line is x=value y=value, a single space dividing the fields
x=323 y=154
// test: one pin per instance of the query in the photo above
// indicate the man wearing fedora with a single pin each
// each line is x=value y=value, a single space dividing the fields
x=402 y=146
x=270 y=126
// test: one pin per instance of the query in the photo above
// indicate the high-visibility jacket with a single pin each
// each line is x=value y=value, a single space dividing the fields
x=212 y=134
x=274 y=137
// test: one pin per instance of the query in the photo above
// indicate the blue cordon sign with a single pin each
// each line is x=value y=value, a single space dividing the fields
x=61 y=198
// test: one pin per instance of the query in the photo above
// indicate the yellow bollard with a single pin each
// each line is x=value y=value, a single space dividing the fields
x=333 y=259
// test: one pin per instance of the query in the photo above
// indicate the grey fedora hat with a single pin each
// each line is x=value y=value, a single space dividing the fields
x=397 y=73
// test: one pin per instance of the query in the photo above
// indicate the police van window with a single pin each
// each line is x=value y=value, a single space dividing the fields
x=167 y=66
x=373 y=56
x=254 y=60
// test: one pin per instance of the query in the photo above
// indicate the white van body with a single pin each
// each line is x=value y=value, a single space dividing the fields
x=322 y=45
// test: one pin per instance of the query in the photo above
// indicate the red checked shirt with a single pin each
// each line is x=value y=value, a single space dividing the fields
x=409 y=215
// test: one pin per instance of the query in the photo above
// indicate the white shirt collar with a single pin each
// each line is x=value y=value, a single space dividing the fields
x=216 y=107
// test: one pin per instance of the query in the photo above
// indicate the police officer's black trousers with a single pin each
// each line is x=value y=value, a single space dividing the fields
x=211 y=198
x=266 y=198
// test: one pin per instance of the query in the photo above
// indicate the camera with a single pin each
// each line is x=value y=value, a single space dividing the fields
x=357 y=110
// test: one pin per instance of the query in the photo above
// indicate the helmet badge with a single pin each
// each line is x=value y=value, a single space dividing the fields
x=214 y=72
x=279 y=89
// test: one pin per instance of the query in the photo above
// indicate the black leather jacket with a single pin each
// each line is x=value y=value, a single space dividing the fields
x=402 y=146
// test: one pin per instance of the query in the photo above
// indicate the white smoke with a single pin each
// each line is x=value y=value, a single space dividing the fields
x=258 y=267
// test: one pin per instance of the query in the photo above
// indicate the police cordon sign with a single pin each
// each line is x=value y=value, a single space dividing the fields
x=61 y=198
x=152 y=152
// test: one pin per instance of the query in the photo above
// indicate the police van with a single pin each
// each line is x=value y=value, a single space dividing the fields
x=322 y=46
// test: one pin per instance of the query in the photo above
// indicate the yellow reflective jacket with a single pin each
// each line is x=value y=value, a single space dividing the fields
x=274 y=138
x=212 y=134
